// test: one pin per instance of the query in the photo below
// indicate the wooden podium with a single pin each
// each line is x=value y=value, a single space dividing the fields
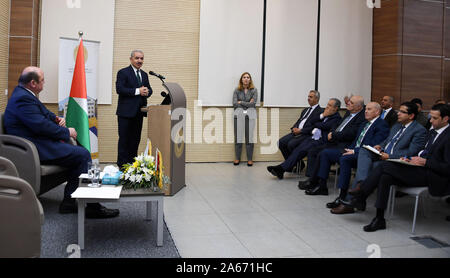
x=168 y=135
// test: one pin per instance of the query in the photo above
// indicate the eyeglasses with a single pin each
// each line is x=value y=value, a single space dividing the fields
x=402 y=111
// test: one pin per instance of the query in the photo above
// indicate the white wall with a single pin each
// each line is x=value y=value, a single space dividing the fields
x=231 y=33
x=60 y=19
x=290 y=67
x=230 y=42
x=345 y=49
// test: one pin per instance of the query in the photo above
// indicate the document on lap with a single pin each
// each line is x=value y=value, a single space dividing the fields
x=372 y=149
x=397 y=160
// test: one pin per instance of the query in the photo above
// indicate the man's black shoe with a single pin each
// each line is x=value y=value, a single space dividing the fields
x=68 y=206
x=318 y=190
x=277 y=171
x=100 y=212
x=335 y=203
x=307 y=184
x=375 y=225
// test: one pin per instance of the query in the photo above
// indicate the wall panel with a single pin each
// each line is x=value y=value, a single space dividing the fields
x=4 y=51
x=387 y=77
x=423 y=27
x=421 y=78
x=388 y=30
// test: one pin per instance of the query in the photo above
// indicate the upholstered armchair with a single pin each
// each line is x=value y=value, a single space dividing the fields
x=21 y=215
x=24 y=155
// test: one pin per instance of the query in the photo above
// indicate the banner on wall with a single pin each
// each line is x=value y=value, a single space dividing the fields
x=68 y=49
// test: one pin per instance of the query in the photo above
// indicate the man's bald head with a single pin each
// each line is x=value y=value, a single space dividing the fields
x=373 y=110
x=355 y=104
x=32 y=78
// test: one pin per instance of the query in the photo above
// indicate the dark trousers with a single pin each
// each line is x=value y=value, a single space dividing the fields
x=312 y=167
x=129 y=138
x=299 y=153
x=289 y=142
x=327 y=158
x=238 y=145
x=76 y=161
x=391 y=173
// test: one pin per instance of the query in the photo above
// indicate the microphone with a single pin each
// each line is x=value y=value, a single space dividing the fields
x=167 y=100
x=157 y=75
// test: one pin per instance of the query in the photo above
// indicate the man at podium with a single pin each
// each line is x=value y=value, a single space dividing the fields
x=133 y=88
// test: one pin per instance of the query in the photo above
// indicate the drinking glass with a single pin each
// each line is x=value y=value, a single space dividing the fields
x=94 y=174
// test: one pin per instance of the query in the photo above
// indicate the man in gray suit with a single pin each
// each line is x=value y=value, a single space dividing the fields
x=405 y=139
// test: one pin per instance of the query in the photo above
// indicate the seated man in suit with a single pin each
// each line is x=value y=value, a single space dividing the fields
x=25 y=116
x=328 y=120
x=303 y=127
x=388 y=113
x=430 y=168
x=405 y=139
x=372 y=132
x=340 y=138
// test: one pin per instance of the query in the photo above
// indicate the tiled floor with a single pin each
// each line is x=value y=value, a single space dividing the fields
x=238 y=211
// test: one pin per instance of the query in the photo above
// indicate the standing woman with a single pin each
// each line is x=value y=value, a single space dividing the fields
x=245 y=97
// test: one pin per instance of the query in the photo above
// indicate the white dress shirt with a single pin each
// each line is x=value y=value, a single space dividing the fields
x=311 y=110
x=137 y=92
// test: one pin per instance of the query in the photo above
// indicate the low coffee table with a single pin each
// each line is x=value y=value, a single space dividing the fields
x=127 y=195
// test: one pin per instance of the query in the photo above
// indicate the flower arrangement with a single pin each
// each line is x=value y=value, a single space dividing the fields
x=144 y=172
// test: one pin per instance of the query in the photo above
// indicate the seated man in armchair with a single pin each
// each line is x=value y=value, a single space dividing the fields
x=26 y=117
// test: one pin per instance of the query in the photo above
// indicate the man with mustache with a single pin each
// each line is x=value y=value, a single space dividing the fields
x=133 y=88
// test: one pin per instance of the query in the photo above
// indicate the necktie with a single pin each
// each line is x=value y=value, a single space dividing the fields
x=307 y=113
x=429 y=144
x=344 y=122
x=138 y=76
x=393 y=141
x=361 y=135
x=383 y=114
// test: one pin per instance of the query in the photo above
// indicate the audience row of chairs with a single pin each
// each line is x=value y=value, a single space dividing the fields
x=415 y=192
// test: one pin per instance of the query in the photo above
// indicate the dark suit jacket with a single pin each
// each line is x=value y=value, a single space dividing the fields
x=438 y=165
x=376 y=133
x=326 y=125
x=27 y=117
x=391 y=118
x=129 y=104
x=309 y=124
x=411 y=142
x=345 y=137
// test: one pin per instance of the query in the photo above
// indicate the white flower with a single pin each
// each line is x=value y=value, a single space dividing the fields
x=133 y=178
x=139 y=178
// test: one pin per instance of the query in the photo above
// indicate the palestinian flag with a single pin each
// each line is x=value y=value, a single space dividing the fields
x=77 y=111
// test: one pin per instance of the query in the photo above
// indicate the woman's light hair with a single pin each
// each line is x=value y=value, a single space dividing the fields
x=250 y=85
